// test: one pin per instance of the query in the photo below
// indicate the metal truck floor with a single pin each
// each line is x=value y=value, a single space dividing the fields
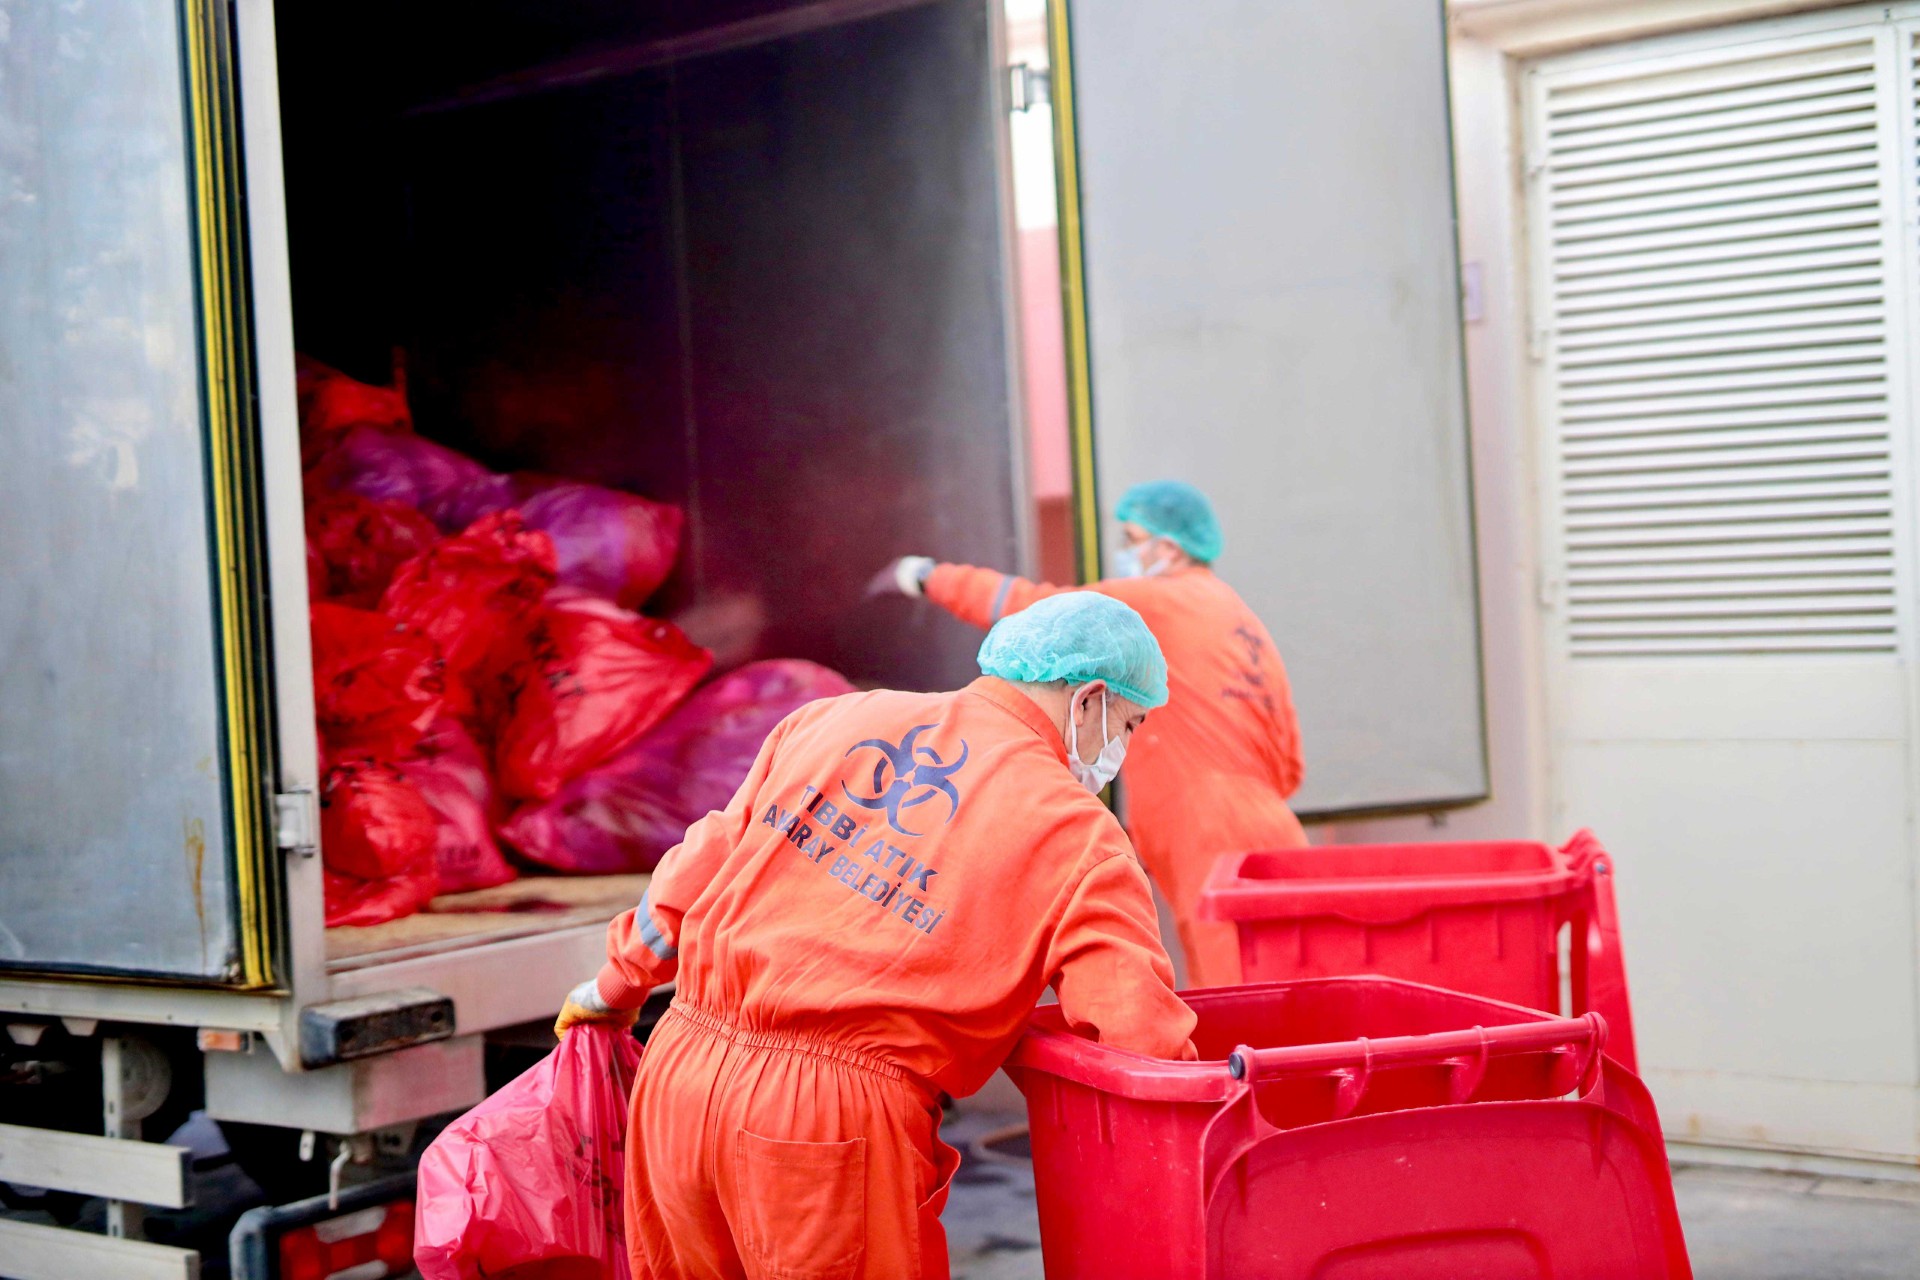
x=529 y=905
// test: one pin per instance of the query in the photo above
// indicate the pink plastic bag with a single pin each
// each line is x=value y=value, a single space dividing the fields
x=475 y=499
x=594 y=678
x=390 y=467
x=529 y=1185
x=451 y=773
x=624 y=815
x=610 y=543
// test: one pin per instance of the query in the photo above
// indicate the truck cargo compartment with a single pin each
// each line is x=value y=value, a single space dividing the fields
x=755 y=266
x=766 y=284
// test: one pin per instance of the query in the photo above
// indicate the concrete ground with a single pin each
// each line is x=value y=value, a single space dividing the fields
x=1740 y=1224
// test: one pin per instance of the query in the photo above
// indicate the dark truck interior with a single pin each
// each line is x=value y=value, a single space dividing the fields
x=749 y=258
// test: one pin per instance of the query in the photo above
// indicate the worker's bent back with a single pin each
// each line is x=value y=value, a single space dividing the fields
x=870 y=920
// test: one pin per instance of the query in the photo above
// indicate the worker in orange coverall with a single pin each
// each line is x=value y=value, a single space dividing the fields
x=1212 y=773
x=868 y=923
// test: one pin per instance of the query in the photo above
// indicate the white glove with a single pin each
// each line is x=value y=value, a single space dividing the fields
x=587 y=996
x=906 y=576
x=584 y=1004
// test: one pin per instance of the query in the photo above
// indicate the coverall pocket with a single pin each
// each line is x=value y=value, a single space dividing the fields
x=803 y=1207
x=933 y=1238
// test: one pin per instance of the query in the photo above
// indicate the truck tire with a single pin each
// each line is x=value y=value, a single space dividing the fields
x=270 y=1156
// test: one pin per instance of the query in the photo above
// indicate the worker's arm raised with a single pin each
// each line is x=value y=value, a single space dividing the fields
x=983 y=596
x=643 y=945
x=1111 y=972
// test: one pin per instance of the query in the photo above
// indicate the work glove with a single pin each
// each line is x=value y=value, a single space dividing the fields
x=585 y=1005
x=906 y=576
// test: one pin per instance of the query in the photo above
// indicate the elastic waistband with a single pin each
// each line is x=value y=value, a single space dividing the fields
x=787 y=1042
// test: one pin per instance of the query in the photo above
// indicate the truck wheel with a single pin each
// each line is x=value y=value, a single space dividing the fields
x=64 y=1207
x=270 y=1156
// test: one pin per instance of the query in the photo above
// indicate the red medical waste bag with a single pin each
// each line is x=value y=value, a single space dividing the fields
x=377 y=684
x=361 y=542
x=475 y=596
x=353 y=901
x=450 y=771
x=373 y=823
x=594 y=677
x=332 y=404
x=529 y=1185
x=377 y=841
x=623 y=815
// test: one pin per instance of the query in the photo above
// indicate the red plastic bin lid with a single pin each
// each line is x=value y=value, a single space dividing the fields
x=1374 y=881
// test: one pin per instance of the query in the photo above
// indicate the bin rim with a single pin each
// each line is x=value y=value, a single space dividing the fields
x=1231 y=895
x=1058 y=1052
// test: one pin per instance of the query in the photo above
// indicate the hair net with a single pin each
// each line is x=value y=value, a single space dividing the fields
x=1079 y=636
x=1176 y=510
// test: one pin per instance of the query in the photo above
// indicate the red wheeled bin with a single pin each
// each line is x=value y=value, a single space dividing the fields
x=1349 y=1129
x=1481 y=918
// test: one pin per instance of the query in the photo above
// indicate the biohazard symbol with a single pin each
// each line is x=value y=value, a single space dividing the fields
x=907 y=775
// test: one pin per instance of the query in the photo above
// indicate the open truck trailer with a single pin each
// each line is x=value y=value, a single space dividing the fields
x=845 y=279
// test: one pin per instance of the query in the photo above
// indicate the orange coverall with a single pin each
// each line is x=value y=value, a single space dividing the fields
x=1210 y=772
x=869 y=921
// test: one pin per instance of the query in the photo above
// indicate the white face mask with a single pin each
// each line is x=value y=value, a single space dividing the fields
x=1106 y=766
x=1127 y=563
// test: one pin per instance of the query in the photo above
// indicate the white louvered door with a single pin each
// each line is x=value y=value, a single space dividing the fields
x=1719 y=335
x=1722 y=291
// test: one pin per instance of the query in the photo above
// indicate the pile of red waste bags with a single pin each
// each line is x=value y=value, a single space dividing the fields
x=624 y=814
x=485 y=686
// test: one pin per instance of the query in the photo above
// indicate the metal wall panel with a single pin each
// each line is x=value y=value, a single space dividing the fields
x=539 y=303
x=847 y=332
x=1273 y=314
x=114 y=834
x=766 y=283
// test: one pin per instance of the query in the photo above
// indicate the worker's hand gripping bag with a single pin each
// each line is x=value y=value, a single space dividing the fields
x=529 y=1184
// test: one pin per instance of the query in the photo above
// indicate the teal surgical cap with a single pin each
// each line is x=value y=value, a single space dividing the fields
x=1176 y=511
x=1079 y=636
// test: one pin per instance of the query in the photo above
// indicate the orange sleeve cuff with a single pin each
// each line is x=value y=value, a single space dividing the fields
x=618 y=991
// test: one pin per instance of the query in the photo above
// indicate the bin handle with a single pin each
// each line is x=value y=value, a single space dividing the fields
x=1599 y=973
x=1467 y=1072
x=1238 y=1127
x=1583 y=849
x=1467 y=1051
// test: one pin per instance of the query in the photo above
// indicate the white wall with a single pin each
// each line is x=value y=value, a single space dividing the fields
x=1775 y=1080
